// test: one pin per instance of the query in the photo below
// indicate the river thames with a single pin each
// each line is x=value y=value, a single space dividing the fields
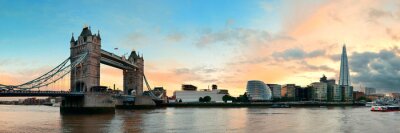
x=39 y=119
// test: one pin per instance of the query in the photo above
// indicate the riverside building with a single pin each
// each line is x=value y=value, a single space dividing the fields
x=344 y=77
x=320 y=91
x=369 y=91
x=258 y=91
x=276 y=90
x=189 y=93
x=288 y=91
x=337 y=93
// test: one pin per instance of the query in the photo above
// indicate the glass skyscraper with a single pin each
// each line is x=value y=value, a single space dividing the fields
x=344 y=77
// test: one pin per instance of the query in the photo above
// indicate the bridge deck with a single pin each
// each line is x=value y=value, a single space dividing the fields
x=111 y=59
x=39 y=93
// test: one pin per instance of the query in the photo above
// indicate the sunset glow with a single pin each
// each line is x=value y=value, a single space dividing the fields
x=193 y=42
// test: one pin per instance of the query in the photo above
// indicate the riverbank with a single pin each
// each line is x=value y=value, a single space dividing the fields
x=261 y=104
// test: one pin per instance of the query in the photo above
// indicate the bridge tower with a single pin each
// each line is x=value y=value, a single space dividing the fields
x=133 y=78
x=86 y=74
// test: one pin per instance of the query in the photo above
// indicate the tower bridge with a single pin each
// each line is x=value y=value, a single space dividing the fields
x=83 y=66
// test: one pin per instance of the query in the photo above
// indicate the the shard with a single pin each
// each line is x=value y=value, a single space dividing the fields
x=344 y=78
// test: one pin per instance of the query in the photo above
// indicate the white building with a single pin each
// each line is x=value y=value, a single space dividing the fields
x=193 y=96
x=320 y=91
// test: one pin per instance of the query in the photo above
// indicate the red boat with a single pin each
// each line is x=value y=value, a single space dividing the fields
x=385 y=108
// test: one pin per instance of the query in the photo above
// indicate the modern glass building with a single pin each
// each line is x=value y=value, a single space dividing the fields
x=258 y=91
x=344 y=77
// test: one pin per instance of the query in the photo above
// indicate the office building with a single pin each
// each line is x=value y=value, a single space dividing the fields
x=336 y=93
x=347 y=93
x=369 y=91
x=276 y=90
x=288 y=91
x=330 y=89
x=344 y=77
x=258 y=91
x=303 y=94
x=320 y=91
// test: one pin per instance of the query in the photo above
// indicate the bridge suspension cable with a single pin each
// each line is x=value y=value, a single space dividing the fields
x=52 y=76
x=150 y=90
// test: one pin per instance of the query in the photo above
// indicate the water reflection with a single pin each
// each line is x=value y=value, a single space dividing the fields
x=86 y=123
x=298 y=120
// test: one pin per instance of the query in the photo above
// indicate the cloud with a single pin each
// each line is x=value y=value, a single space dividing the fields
x=201 y=74
x=180 y=71
x=376 y=69
x=304 y=66
x=376 y=14
x=395 y=36
x=297 y=53
x=230 y=22
x=237 y=36
x=175 y=37
x=335 y=57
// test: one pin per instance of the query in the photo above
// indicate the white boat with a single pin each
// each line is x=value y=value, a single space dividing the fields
x=369 y=104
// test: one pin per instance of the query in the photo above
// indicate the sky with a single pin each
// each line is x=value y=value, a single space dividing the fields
x=205 y=42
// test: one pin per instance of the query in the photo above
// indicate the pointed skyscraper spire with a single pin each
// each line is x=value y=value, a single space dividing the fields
x=344 y=77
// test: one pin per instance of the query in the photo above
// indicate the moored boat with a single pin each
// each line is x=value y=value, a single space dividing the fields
x=385 y=108
x=369 y=104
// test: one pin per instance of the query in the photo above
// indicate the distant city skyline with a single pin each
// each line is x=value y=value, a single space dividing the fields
x=211 y=42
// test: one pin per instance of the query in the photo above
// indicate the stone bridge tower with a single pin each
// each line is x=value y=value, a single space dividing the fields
x=86 y=74
x=133 y=78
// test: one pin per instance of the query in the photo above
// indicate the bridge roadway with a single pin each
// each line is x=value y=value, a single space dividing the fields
x=19 y=93
x=111 y=59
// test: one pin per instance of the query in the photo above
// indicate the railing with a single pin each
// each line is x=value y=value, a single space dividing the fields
x=10 y=93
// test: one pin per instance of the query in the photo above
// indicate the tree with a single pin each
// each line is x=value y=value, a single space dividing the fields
x=243 y=98
x=364 y=98
x=201 y=99
x=226 y=98
x=180 y=100
x=207 y=99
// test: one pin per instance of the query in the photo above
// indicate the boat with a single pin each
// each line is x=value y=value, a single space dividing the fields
x=369 y=104
x=385 y=108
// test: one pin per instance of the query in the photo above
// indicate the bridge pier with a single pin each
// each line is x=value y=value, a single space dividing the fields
x=91 y=102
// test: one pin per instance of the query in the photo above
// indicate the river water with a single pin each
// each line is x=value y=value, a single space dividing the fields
x=41 y=119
